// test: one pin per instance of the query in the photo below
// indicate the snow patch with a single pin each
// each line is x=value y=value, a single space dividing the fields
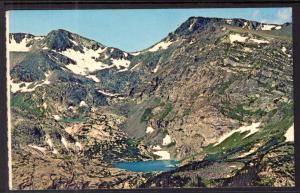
x=289 y=135
x=135 y=66
x=65 y=143
x=84 y=61
x=237 y=38
x=278 y=27
x=166 y=140
x=45 y=105
x=23 y=86
x=283 y=49
x=56 y=117
x=82 y=104
x=13 y=46
x=156 y=69
x=192 y=25
x=228 y=21
x=107 y=94
x=149 y=129
x=161 y=45
x=93 y=77
x=42 y=149
x=252 y=150
x=253 y=128
x=77 y=144
x=268 y=27
x=164 y=155
x=75 y=43
x=49 y=142
x=259 y=41
x=55 y=151
x=135 y=53
x=156 y=147
x=247 y=49
x=121 y=63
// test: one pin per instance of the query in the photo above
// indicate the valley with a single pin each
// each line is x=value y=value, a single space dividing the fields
x=215 y=95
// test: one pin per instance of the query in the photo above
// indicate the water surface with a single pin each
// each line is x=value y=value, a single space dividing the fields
x=148 y=166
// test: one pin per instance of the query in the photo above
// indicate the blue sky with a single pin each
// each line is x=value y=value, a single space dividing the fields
x=130 y=29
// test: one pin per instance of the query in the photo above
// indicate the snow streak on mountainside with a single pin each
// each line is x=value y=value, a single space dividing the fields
x=215 y=93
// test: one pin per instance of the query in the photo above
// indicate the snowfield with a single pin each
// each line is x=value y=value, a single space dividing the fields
x=156 y=69
x=93 y=77
x=86 y=63
x=156 y=147
x=149 y=130
x=164 y=155
x=289 y=135
x=161 y=45
x=13 y=46
x=259 y=41
x=237 y=38
x=253 y=128
x=56 y=117
x=166 y=140
x=268 y=27
x=23 y=86
x=107 y=93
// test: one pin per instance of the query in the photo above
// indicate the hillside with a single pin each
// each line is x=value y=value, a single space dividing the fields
x=215 y=93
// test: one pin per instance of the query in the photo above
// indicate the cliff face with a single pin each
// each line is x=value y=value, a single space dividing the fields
x=215 y=93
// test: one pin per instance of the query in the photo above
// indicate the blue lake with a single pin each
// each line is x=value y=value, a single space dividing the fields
x=148 y=166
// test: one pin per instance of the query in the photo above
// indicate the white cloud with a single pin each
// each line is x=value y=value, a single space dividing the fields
x=284 y=15
x=255 y=14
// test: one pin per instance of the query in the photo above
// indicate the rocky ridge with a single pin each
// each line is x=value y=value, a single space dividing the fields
x=224 y=84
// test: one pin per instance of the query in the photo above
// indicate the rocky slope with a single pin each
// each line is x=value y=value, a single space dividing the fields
x=215 y=93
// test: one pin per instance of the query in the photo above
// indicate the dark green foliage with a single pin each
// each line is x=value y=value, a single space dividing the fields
x=163 y=131
x=83 y=109
x=173 y=143
x=239 y=113
x=167 y=109
x=146 y=115
x=26 y=103
x=132 y=146
x=72 y=120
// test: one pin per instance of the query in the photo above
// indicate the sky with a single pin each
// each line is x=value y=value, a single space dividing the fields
x=130 y=29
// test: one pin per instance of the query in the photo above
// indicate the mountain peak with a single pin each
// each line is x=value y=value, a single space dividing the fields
x=59 y=40
x=194 y=24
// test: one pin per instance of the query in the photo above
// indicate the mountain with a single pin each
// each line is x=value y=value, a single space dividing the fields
x=215 y=93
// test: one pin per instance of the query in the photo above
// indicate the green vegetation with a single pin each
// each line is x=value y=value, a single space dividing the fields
x=239 y=113
x=146 y=115
x=277 y=128
x=225 y=85
x=83 y=109
x=26 y=103
x=274 y=129
x=132 y=146
x=283 y=34
x=153 y=103
x=266 y=181
x=167 y=109
x=173 y=143
x=72 y=120
x=163 y=131
x=232 y=141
